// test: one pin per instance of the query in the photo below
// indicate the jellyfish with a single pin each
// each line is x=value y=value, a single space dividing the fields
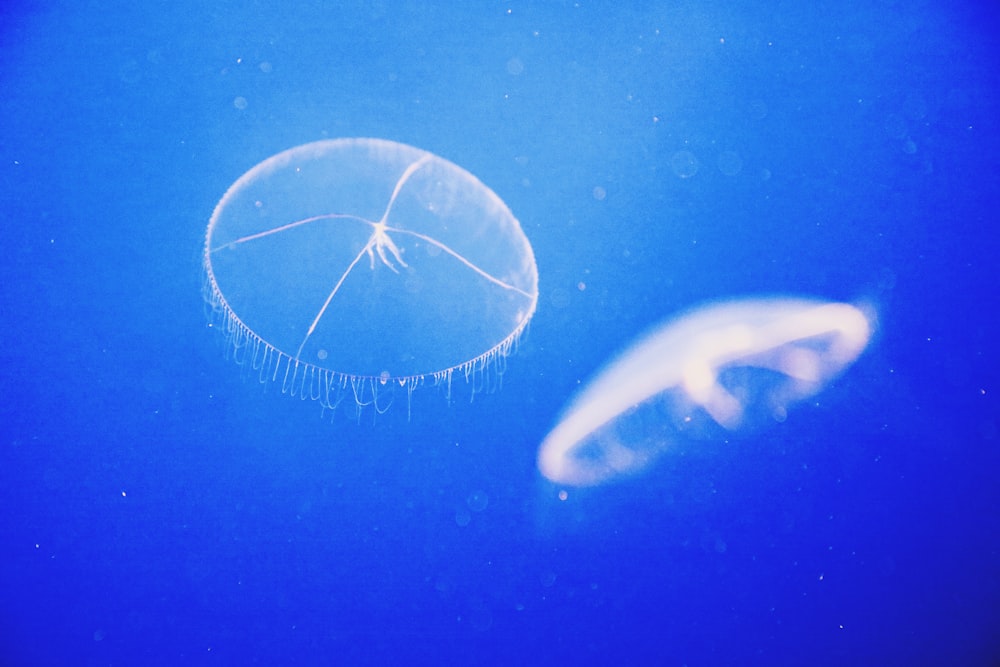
x=348 y=267
x=724 y=364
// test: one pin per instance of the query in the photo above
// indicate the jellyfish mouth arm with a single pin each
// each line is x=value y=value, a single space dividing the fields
x=701 y=384
x=381 y=241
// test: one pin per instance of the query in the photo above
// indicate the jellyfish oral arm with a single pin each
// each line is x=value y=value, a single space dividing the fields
x=701 y=384
x=380 y=239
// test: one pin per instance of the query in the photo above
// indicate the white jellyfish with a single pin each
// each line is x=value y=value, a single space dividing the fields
x=720 y=362
x=351 y=266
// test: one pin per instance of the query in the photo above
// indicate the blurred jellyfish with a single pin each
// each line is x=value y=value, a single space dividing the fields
x=724 y=364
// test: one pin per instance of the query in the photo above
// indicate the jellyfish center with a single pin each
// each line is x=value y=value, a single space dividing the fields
x=381 y=242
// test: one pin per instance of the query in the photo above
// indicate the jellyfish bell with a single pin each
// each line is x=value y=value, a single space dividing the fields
x=716 y=364
x=341 y=269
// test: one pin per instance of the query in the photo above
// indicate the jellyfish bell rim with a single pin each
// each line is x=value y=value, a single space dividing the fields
x=758 y=326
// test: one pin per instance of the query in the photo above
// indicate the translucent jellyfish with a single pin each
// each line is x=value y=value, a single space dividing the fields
x=724 y=364
x=352 y=266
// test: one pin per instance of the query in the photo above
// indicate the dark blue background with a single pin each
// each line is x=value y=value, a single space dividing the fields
x=157 y=509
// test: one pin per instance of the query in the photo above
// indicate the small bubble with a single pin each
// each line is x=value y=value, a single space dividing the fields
x=559 y=298
x=684 y=164
x=477 y=501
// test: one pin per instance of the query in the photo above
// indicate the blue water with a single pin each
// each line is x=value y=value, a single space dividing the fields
x=160 y=509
